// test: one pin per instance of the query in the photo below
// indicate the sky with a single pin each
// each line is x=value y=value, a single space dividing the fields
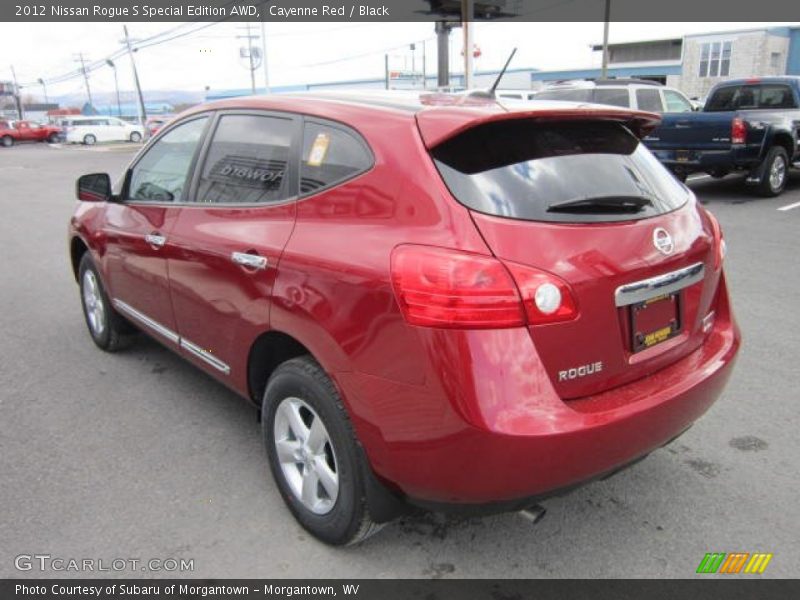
x=298 y=52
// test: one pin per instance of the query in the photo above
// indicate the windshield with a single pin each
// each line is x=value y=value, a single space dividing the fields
x=567 y=172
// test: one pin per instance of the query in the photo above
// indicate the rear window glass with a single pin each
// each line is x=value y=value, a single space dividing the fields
x=612 y=96
x=330 y=155
x=736 y=97
x=566 y=172
x=574 y=95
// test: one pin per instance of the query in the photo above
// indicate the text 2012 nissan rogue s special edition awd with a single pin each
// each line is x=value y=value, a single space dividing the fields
x=433 y=300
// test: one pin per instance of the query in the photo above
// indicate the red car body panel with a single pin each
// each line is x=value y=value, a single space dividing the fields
x=444 y=415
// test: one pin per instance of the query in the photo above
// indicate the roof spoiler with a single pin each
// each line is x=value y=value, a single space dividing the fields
x=437 y=125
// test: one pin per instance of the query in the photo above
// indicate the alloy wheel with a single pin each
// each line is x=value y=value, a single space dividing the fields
x=93 y=303
x=306 y=455
x=777 y=173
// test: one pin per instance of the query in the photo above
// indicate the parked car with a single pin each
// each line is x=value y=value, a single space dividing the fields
x=154 y=124
x=746 y=125
x=515 y=94
x=640 y=94
x=90 y=130
x=411 y=294
x=12 y=132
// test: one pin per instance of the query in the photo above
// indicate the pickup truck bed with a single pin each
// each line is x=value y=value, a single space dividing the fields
x=759 y=136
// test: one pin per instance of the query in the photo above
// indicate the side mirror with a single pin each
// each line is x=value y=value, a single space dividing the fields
x=94 y=188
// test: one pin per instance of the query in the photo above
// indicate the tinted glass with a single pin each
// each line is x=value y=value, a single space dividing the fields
x=649 y=100
x=160 y=175
x=573 y=95
x=613 y=96
x=330 y=155
x=735 y=97
x=247 y=160
x=522 y=170
x=676 y=102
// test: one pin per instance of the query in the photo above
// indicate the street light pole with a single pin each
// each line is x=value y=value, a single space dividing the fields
x=111 y=64
x=467 y=14
x=44 y=88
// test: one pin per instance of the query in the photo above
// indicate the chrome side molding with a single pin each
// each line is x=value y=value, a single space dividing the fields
x=147 y=321
x=173 y=337
x=639 y=291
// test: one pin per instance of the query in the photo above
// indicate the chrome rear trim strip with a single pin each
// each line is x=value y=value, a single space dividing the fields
x=145 y=320
x=205 y=356
x=639 y=291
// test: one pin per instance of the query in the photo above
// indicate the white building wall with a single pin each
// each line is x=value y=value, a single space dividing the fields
x=750 y=57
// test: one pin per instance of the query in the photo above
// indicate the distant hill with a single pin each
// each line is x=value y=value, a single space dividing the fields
x=174 y=97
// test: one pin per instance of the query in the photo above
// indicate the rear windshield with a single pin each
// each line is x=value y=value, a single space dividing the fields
x=575 y=172
x=744 y=97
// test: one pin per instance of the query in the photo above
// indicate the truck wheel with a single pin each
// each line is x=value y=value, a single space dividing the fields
x=314 y=455
x=680 y=175
x=109 y=331
x=775 y=171
x=89 y=139
x=7 y=141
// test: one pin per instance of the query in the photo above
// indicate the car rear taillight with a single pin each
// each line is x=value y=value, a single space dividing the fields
x=437 y=287
x=720 y=246
x=738 y=131
x=547 y=298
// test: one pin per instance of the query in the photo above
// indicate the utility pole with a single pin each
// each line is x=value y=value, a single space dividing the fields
x=386 y=69
x=142 y=111
x=250 y=56
x=85 y=78
x=604 y=69
x=467 y=15
x=264 y=56
x=16 y=94
x=424 y=68
x=443 y=53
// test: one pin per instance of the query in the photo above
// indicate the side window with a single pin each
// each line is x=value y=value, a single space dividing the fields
x=612 y=96
x=247 y=160
x=676 y=102
x=161 y=174
x=579 y=95
x=329 y=155
x=649 y=100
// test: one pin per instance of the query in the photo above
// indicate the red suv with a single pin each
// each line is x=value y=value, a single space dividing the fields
x=433 y=301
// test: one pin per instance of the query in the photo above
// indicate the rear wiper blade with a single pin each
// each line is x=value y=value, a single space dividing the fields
x=603 y=204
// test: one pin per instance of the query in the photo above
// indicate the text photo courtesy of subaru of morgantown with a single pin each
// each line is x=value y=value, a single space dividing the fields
x=404 y=294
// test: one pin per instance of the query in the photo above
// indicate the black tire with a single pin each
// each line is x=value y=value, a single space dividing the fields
x=54 y=138
x=680 y=176
x=348 y=521
x=7 y=141
x=136 y=137
x=772 y=184
x=89 y=139
x=115 y=333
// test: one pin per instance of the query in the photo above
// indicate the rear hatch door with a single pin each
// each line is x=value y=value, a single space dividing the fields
x=584 y=200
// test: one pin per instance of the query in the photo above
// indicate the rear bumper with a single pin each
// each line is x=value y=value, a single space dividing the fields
x=496 y=433
x=692 y=160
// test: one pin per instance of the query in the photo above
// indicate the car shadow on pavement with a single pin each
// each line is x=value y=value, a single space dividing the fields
x=731 y=189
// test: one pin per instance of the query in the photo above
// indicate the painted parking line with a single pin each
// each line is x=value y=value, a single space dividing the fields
x=790 y=206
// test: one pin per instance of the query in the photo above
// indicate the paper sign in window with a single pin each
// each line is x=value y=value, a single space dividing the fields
x=319 y=149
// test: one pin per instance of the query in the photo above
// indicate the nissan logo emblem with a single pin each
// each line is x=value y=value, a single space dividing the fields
x=662 y=240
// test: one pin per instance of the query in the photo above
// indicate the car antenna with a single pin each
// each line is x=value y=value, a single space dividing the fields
x=502 y=72
x=490 y=92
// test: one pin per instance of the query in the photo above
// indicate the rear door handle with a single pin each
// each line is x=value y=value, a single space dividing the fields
x=254 y=261
x=155 y=239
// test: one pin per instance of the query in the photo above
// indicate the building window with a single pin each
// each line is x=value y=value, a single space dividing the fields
x=775 y=60
x=715 y=59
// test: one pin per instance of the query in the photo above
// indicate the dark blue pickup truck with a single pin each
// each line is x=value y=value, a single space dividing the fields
x=746 y=125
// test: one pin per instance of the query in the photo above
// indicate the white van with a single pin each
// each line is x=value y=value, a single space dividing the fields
x=90 y=130
x=640 y=94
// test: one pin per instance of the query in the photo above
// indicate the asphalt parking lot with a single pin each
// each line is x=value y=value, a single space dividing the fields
x=140 y=455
